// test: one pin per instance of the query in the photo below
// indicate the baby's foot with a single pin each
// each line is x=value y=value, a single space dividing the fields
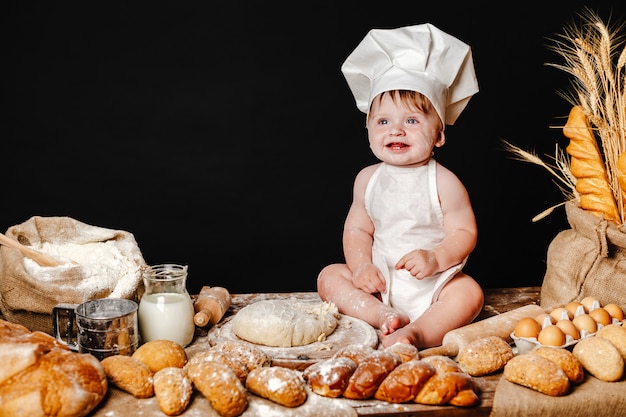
x=404 y=335
x=391 y=320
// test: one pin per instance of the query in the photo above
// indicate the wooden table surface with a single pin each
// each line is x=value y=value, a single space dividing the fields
x=497 y=301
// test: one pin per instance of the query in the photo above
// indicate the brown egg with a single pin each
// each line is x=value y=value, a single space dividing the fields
x=587 y=302
x=615 y=311
x=561 y=312
x=551 y=335
x=568 y=328
x=585 y=322
x=572 y=307
x=542 y=317
x=601 y=316
x=527 y=327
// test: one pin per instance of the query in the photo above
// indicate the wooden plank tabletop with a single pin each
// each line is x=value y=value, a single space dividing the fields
x=497 y=301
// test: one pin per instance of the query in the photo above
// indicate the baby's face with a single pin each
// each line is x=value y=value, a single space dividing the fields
x=402 y=135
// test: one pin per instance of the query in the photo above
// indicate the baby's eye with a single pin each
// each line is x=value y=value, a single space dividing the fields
x=383 y=121
x=412 y=121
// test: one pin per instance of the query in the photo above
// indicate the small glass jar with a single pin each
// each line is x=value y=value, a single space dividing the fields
x=166 y=310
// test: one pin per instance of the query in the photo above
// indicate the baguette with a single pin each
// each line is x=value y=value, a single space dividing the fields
x=587 y=165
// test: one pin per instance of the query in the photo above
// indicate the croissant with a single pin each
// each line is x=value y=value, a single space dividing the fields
x=434 y=380
x=587 y=166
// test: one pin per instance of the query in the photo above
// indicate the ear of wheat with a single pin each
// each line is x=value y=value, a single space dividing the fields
x=594 y=54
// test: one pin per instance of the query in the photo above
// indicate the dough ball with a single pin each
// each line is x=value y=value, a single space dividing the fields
x=285 y=323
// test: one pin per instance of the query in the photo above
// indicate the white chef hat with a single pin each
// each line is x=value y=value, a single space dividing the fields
x=419 y=58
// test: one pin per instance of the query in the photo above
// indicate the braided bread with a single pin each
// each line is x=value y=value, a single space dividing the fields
x=383 y=375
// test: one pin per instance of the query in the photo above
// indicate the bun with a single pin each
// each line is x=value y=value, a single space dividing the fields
x=37 y=375
x=369 y=373
x=538 y=373
x=173 y=389
x=600 y=358
x=159 y=354
x=239 y=368
x=329 y=378
x=565 y=359
x=281 y=385
x=250 y=355
x=405 y=382
x=219 y=384
x=129 y=374
x=406 y=351
x=383 y=375
x=485 y=356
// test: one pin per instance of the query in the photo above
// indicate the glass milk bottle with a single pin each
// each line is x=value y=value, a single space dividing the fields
x=166 y=310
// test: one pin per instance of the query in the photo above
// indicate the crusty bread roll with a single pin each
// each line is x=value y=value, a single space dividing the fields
x=484 y=356
x=405 y=381
x=40 y=377
x=249 y=354
x=172 y=389
x=600 y=358
x=565 y=359
x=329 y=377
x=369 y=373
x=616 y=334
x=537 y=373
x=161 y=353
x=237 y=365
x=129 y=374
x=281 y=385
x=219 y=384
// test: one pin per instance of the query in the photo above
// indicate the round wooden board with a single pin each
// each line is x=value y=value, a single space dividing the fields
x=349 y=331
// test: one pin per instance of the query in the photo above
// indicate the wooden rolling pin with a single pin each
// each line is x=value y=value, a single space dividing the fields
x=501 y=325
x=41 y=258
x=211 y=305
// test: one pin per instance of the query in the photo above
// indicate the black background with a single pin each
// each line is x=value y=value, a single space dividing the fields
x=223 y=135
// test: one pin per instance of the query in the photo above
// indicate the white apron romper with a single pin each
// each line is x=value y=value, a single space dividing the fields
x=404 y=205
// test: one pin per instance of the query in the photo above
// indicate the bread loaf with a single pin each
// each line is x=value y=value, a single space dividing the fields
x=129 y=374
x=484 y=356
x=406 y=351
x=161 y=353
x=537 y=373
x=172 y=389
x=281 y=385
x=219 y=384
x=382 y=374
x=42 y=378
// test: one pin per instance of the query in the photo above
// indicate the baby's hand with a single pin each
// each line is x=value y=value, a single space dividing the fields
x=420 y=263
x=367 y=277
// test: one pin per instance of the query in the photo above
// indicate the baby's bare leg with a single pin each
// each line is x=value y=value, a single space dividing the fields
x=334 y=284
x=459 y=302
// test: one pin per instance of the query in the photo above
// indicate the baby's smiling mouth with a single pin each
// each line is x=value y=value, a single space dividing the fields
x=396 y=145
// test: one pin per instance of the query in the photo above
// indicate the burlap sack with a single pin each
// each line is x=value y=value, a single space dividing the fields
x=587 y=260
x=110 y=266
